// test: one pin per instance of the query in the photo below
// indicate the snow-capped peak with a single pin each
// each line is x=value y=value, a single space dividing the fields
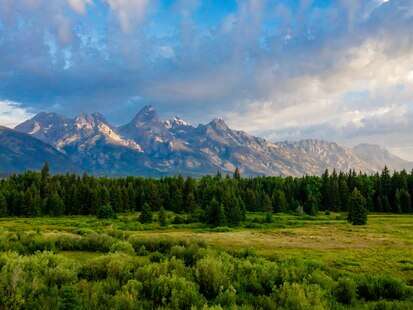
x=176 y=122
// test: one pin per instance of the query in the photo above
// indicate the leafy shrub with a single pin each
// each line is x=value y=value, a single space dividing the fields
x=212 y=275
x=123 y=247
x=296 y=296
x=105 y=212
x=346 y=291
x=156 y=257
x=175 y=292
x=96 y=242
x=179 y=219
x=381 y=287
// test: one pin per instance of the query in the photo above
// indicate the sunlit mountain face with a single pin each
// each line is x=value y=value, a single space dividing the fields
x=340 y=71
x=148 y=145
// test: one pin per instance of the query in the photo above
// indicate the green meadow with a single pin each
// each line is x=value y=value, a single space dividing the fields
x=293 y=262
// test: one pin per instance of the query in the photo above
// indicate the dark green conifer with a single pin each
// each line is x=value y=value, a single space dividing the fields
x=146 y=214
x=357 y=211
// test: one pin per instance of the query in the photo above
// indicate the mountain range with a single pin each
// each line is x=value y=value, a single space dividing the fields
x=150 y=146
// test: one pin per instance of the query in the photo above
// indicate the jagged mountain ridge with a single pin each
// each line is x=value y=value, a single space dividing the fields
x=150 y=146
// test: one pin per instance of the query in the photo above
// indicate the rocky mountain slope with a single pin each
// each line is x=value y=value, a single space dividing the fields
x=378 y=157
x=150 y=146
x=19 y=152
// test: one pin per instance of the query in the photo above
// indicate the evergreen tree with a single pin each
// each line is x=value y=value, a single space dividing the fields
x=397 y=208
x=405 y=201
x=344 y=192
x=146 y=214
x=234 y=215
x=386 y=203
x=190 y=203
x=28 y=203
x=266 y=203
x=45 y=172
x=162 y=217
x=54 y=204
x=310 y=206
x=357 y=211
x=3 y=205
x=279 y=202
x=154 y=198
x=237 y=174
x=216 y=214
x=105 y=212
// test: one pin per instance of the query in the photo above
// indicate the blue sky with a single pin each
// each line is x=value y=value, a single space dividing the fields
x=335 y=70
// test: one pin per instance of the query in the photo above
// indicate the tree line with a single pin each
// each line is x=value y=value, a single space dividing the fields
x=216 y=200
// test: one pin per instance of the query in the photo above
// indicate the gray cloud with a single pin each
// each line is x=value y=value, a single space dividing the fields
x=340 y=72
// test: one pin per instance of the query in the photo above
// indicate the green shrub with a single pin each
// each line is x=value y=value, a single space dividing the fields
x=346 y=291
x=123 y=247
x=381 y=287
x=129 y=296
x=212 y=275
x=174 y=292
x=105 y=212
x=296 y=296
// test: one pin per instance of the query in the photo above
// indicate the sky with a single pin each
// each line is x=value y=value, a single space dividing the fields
x=284 y=70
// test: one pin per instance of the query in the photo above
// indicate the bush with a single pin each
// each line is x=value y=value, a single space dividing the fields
x=105 y=212
x=345 y=291
x=174 y=292
x=381 y=287
x=123 y=247
x=212 y=275
x=300 y=297
x=178 y=219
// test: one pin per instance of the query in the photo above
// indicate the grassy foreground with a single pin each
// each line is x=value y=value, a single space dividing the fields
x=295 y=262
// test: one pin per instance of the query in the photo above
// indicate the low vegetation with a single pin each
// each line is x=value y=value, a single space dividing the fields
x=294 y=262
x=178 y=243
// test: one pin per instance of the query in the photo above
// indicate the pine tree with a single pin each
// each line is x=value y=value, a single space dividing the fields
x=405 y=201
x=386 y=203
x=237 y=174
x=357 y=211
x=216 y=214
x=310 y=206
x=54 y=204
x=234 y=215
x=28 y=203
x=105 y=212
x=162 y=217
x=344 y=192
x=279 y=202
x=146 y=214
x=397 y=208
x=3 y=205
x=45 y=172
x=266 y=203
x=190 y=203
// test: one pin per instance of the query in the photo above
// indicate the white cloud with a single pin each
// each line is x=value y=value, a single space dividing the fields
x=12 y=113
x=129 y=12
x=79 y=5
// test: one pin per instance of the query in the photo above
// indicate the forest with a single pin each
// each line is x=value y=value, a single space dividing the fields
x=217 y=242
x=216 y=200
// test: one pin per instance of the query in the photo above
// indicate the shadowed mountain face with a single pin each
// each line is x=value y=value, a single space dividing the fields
x=20 y=152
x=149 y=146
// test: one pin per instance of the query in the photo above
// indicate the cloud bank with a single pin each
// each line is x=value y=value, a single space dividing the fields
x=337 y=70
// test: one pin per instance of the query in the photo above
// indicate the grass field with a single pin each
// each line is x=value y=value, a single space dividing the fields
x=383 y=247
